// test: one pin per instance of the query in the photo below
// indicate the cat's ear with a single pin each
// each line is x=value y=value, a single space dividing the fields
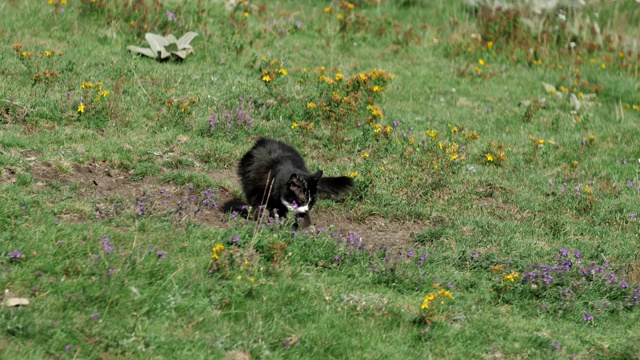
x=316 y=175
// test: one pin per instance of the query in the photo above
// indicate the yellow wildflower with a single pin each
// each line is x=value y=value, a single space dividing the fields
x=432 y=133
x=353 y=174
x=427 y=299
x=512 y=276
x=328 y=10
x=217 y=250
x=340 y=17
x=246 y=14
x=294 y=125
x=81 y=108
x=339 y=76
x=48 y=53
x=490 y=45
x=63 y=2
x=489 y=157
x=311 y=105
x=621 y=55
x=478 y=70
x=362 y=77
x=87 y=85
x=481 y=62
x=445 y=293
x=603 y=66
x=587 y=189
x=350 y=5
x=266 y=78
x=283 y=71
x=365 y=155
x=575 y=164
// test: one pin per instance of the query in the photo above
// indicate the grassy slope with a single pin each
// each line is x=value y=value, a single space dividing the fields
x=173 y=306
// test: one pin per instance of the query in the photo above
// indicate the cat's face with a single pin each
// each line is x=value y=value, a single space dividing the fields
x=301 y=192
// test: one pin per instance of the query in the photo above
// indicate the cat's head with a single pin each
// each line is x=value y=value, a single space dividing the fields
x=301 y=192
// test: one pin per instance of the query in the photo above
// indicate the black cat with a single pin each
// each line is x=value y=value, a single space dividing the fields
x=273 y=173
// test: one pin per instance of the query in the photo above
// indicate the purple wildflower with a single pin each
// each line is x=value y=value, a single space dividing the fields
x=550 y=182
x=587 y=317
x=577 y=254
x=633 y=216
x=564 y=252
x=629 y=183
x=68 y=347
x=14 y=255
x=623 y=161
x=423 y=258
x=624 y=284
x=107 y=245
x=336 y=258
x=161 y=254
x=474 y=256
x=171 y=16
x=94 y=316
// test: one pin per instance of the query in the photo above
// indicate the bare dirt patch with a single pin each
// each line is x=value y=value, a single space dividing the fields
x=113 y=193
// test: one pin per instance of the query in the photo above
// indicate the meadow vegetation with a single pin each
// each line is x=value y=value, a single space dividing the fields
x=494 y=150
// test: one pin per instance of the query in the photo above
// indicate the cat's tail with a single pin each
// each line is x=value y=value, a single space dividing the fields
x=236 y=206
x=334 y=186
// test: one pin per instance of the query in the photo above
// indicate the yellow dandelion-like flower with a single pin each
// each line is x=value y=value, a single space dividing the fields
x=621 y=55
x=365 y=155
x=81 y=108
x=340 y=17
x=266 y=78
x=246 y=14
x=350 y=5
x=311 y=105
x=353 y=174
x=48 y=53
x=635 y=107
x=294 y=125
x=478 y=70
x=489 y=157
x=377 y=88
x=427 y=299
x=454 y=157
x=51 y=2
x=445 y=293
x=87 y=85
x=512 y=276
x=362 y=77
x=490 y=45
x=63 y=2
x=283 y=71
x=575 y=164
x=481 y=62
x=593 y=61
x=603 y=66
x=432 y=133
x=339 y=76
x=587 y=189
x=328 y=10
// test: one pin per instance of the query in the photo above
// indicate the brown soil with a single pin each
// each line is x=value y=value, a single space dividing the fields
x=103 y=185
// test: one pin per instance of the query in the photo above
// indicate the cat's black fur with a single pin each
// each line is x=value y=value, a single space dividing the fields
x=273 y=173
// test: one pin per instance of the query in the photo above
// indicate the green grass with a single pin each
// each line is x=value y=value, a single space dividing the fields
x=112 y=210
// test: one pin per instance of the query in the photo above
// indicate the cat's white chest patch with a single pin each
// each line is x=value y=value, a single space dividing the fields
x=296 y=209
